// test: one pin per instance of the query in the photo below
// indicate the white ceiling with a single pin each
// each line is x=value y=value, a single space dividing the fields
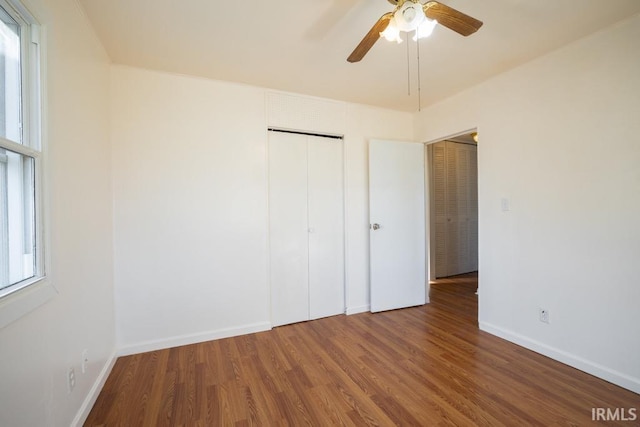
x=302 y=45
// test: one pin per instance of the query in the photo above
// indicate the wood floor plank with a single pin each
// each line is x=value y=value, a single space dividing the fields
x=428 y=365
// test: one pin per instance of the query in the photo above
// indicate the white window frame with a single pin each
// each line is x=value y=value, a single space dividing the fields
x=23 y=297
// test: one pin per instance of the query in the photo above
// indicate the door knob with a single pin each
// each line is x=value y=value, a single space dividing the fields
x=375 y=226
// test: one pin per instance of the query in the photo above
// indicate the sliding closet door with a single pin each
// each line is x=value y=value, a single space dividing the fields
x=288 y=228
x=326 y=227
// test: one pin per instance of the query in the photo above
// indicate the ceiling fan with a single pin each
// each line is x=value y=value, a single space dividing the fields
x=412 y=15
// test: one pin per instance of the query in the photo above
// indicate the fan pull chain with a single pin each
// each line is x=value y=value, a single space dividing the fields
x=419 y=92
x=408 y=70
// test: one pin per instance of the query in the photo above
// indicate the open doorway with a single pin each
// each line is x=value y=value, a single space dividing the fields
x=453 y=205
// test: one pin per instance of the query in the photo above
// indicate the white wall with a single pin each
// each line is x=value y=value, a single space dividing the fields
x=559 y=138
x=37 y=349
x=189 y=209
x=190 y=205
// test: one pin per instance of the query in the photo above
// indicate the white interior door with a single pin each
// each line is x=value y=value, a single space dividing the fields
x=397 y=216
x=288 y=231
x=326 y=227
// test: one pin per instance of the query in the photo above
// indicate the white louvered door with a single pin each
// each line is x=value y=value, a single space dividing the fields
x=453 y=229
x=439 y=204
x=455 y=208
x=472 y=214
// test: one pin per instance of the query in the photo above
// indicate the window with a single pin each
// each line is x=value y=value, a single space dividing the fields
x=21 y=248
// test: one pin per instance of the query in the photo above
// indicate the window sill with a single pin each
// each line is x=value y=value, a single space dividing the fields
x=23 y=301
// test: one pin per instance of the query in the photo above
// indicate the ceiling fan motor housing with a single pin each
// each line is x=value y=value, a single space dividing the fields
x=409 y=15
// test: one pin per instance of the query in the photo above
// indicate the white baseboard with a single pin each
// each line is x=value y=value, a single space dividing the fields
x=358 y=309
x=91 y=398
x=607 y=374
x=192 y=338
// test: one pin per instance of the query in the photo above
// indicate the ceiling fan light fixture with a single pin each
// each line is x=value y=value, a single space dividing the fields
x=392 y=33
x=425 y=29
x=409 y=16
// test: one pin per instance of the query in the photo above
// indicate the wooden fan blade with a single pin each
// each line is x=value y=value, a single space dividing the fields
x=371 y=38
x=451 y=18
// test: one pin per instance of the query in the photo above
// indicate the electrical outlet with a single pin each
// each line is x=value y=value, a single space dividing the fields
x=85 y=360
x=71 y=379
x=544 y=315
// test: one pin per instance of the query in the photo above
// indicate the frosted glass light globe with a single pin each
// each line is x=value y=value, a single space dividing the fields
x=409 y=16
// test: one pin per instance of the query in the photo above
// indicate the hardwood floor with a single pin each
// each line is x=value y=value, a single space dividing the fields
x=425 y=366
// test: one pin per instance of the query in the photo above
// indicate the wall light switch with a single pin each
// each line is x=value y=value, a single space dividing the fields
x=505 y=205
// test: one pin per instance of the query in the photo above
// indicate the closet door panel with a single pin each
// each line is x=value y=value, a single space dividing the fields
x=440 y=207
x=473 y=208
x=453 y=222
x=288 y=234
x=462 y=194
x=326 y=227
